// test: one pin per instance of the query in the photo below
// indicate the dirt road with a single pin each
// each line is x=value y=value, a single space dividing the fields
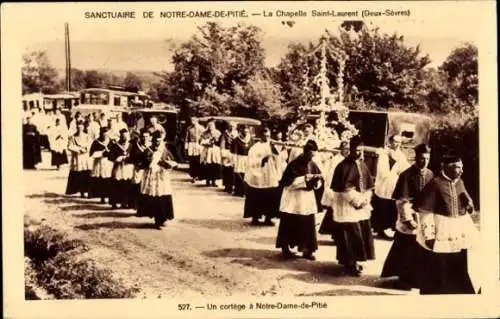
x=207 y=250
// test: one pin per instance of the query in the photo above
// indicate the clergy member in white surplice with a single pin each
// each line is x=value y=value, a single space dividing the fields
x=391 y=163
x=58 y=140
x=226 y=146
x=265 y=167
x=299 y=203
x=193 y=148
x=240 y=148
x=327 y=225
x=352 y=186
x=445 y=232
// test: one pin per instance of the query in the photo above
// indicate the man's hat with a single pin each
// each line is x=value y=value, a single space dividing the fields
x=422 y=149
x=311 y=145
x=355 y=142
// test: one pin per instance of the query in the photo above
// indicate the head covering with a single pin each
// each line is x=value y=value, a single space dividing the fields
x=156 y=135
x=451 y=157
x=310 y=146
x=355 y=142
x=344 y=145
x=422 y=149
x=396 y=138
x=103 y=130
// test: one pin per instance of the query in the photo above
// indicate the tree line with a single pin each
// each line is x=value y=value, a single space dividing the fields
x=221 y=70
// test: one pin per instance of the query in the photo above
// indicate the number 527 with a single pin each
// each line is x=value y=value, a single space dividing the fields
x=183 y=306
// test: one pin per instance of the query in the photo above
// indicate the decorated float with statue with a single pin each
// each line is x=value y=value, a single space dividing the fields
x=334 y=122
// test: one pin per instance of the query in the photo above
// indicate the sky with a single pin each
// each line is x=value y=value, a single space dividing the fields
x=143 y=45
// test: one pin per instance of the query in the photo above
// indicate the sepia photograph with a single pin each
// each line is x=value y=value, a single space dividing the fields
x=252 y=159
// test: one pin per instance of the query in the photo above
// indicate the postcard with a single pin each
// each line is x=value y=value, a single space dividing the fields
x=316 y=159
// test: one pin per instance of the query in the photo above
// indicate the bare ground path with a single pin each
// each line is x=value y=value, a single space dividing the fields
x=207 y=250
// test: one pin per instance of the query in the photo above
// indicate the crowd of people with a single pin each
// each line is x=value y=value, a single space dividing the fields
x=426 y=214
x=104 y=162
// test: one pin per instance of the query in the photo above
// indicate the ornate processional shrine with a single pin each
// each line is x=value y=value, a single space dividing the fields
x=327 y=135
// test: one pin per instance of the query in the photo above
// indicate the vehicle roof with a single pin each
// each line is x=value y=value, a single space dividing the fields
x=110 y=91
x=60 y=96
x=389 y=113
x=154 y=110
x=103 y=108
x=236 y=119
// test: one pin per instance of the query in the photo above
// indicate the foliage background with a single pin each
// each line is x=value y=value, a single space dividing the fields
x=221 y=70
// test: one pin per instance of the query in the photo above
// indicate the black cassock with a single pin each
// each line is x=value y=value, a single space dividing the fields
x=444 y=272
x=297 y=229
x=354 y=239
x=32 y=153
x=100 y=186
x=240 y=148
x=401 y=260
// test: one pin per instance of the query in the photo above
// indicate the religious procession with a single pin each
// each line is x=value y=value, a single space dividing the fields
x=359 y=178
x=426 y=216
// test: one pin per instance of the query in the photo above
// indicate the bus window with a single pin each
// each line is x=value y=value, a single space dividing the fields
x=104 y=99
x=116 y=101
x=25 y=105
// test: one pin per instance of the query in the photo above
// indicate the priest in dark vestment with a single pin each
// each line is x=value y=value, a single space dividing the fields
x=352 y=186
x=32 y=153
x=401 y=260
x=445 y=232
x=301 y=183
